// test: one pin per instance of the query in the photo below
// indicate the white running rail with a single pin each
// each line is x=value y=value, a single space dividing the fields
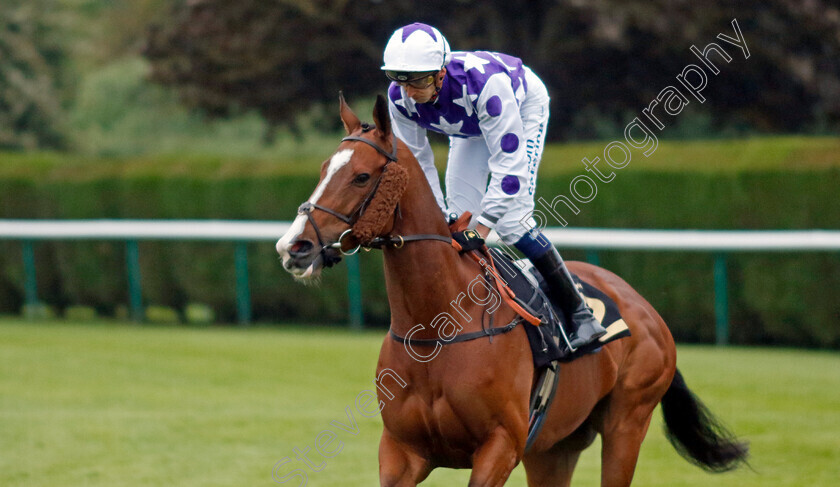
x=586 y=238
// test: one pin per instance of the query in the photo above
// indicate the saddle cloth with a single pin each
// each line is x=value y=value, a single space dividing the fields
x=548 y=341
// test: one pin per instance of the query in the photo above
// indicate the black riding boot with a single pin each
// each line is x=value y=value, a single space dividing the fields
x=584 y=327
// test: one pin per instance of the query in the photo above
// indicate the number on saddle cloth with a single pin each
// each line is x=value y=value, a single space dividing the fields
x=547 y=344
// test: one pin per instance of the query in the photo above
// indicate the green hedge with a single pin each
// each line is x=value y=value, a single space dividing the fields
x=779 y=298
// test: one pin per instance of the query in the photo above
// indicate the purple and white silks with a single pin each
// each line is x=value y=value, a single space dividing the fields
x=480 y=97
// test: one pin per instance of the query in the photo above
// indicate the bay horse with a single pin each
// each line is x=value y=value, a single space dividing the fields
x=468 y=407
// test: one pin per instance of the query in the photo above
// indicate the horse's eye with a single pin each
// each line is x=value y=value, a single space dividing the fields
x=361 y=179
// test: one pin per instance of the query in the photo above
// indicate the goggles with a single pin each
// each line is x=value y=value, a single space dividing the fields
x=414 y=80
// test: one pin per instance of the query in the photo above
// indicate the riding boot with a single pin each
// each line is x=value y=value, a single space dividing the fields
x=584 y=327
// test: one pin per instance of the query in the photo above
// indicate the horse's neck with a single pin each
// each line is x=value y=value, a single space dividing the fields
x=422 y=277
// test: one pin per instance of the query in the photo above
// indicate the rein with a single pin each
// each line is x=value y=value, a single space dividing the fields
x=396 y=241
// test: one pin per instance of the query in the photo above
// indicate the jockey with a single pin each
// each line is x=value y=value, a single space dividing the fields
x=495 y=111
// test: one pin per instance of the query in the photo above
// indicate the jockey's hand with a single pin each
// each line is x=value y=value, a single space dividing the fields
x=483 y=230
x=468 y=240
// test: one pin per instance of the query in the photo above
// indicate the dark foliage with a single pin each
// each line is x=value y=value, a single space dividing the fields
x=603 y=61
x=33 y=76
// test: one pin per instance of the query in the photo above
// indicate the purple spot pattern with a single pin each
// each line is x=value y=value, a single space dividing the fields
x=494 y=106
x=510 y=185
x=510 y=142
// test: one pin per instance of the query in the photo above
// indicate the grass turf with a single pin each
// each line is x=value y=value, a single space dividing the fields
x=87 y=404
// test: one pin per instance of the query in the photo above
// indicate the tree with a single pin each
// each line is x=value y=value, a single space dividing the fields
x=34 y=76
x=276 y=57
x=602 y=60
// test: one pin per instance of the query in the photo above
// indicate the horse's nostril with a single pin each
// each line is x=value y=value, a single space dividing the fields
x=300 y=248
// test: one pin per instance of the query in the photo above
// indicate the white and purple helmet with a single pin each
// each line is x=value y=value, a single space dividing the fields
x=415 y=48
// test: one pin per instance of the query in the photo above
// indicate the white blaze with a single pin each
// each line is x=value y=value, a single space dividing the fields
x=338 y=160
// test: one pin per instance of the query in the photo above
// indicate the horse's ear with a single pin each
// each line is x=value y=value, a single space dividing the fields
x=381 y=117
x=348 y=118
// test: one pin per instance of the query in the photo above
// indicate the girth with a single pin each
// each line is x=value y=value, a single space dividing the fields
x=461 y=337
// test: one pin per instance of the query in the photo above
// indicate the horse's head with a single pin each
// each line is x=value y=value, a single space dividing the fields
x=355 y=198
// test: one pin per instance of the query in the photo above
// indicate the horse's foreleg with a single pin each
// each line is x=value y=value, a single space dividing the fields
x=398 y=465
x=494 y=460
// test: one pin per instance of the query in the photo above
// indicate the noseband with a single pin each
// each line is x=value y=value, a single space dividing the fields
x=307 y=207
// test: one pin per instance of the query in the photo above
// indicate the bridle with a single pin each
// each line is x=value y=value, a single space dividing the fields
x=396 y=241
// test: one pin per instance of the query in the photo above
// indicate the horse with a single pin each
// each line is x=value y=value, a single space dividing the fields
x=468 y=405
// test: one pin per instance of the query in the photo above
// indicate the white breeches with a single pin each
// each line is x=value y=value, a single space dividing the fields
x=467 y=169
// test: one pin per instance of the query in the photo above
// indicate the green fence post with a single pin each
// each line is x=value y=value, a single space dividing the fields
x=592 y=257
x=243 y=288
x=721 y=301
x=30 y=277
x=354 y=291
x=135 y=291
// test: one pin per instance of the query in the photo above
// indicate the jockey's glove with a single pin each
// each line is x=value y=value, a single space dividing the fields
x=468 y=240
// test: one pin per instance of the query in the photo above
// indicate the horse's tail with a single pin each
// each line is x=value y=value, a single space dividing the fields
x=696 y=434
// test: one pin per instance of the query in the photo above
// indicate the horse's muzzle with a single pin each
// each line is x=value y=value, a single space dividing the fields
x=304 y=260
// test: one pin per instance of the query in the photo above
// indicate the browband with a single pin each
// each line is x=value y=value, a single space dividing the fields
x=392 y=156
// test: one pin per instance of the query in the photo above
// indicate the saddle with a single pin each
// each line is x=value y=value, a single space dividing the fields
x=525 y=290
x=548 y=340
x=522 y=286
